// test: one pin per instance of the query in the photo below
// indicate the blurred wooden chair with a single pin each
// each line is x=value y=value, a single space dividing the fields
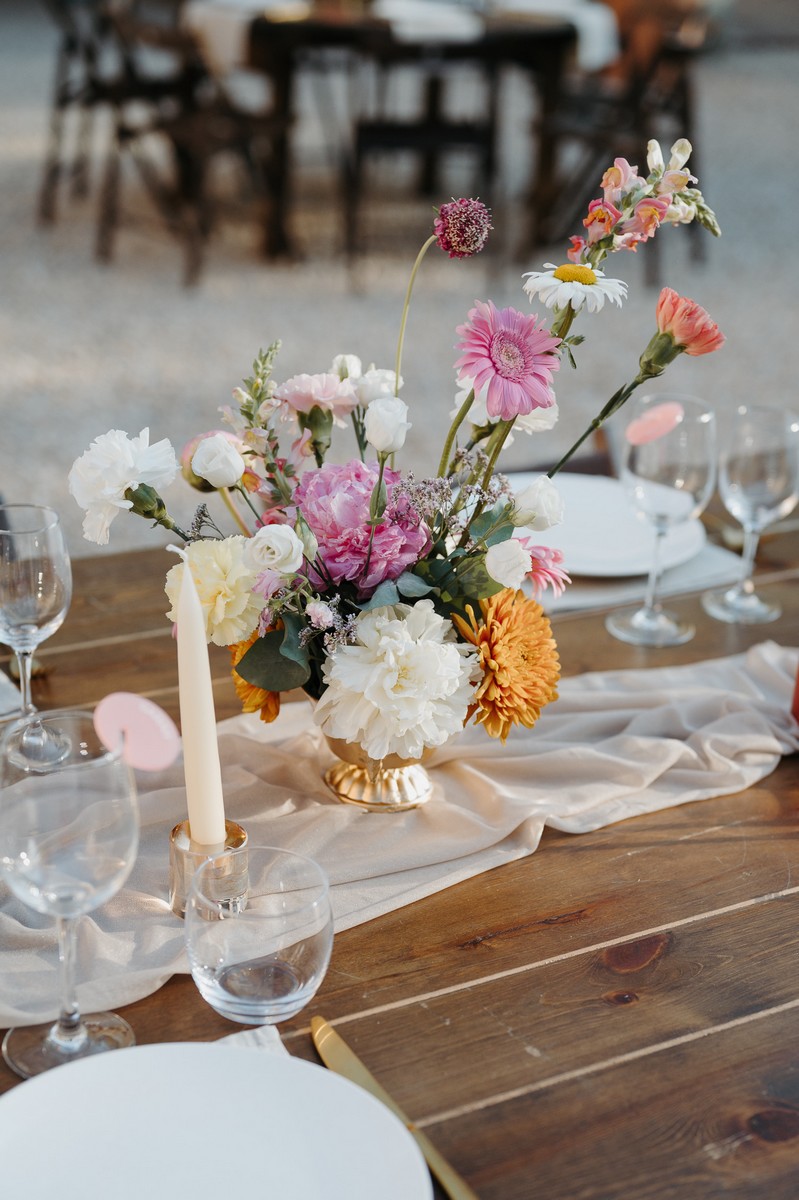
x=380 y=131
x=648 y=92
x=175 y=143
x=89 y=74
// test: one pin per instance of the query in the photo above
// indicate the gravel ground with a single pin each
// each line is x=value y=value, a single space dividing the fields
x=86 y=347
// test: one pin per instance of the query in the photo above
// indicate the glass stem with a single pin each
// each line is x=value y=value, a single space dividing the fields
x=651 y=608
x=25 y=664
x=751 y=541
x=68 y=1033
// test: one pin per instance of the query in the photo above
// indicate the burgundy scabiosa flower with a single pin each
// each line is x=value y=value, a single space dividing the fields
x=512 y=355
x=462 y=227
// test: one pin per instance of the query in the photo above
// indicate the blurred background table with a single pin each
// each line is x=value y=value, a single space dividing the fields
x=612 y=1016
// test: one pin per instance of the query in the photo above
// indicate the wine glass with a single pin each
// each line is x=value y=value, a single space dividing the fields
x=758 y=483
x=259 y=960
x=35 y=583
x=668 y=469
x=69 y=833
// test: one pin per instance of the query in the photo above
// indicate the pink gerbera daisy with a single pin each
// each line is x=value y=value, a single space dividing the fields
x=508 y=352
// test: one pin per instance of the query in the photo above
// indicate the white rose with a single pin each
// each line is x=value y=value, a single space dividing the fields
x=217 y=461
x=539 y=505
x=508 y=562
x=385 y=424
x=376 y=382
x=346 y=366
x=274 y=548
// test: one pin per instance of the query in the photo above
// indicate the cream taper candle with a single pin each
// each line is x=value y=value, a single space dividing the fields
x=206 y=808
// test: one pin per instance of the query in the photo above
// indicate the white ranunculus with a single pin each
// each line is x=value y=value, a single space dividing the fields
x=224 y=585
x=218 y=462
x=374 y=383
x=405 y=684
x=539 y=505
x=274 y=548
x=113 y=464
x=385 y=424
x=346 y=366
x=508 y=562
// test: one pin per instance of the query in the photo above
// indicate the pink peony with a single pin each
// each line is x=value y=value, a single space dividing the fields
x=325 y=391
x=510 y=354
x=687 y=324
x=335 y=502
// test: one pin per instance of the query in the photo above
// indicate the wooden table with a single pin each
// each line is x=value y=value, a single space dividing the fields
x=540 y=46
x=614 y=1016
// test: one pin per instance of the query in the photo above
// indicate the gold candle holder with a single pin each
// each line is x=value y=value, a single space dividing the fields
x=185 y=856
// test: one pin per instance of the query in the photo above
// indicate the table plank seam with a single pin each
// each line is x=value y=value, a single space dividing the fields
x=607 y=1064
x=553 y=960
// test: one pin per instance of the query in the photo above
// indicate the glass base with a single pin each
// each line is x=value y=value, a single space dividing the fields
x=649 y=627
x=34 y=746
x=738 y=607
x=30 y=1050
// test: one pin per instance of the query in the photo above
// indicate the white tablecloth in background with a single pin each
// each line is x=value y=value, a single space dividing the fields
x=615 y=745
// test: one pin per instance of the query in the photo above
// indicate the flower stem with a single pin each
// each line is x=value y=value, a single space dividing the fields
x=228 y=501
x=460 y=416
x=616 y=401
x=406 y=307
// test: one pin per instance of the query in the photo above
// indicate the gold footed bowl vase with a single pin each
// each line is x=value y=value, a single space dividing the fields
x=391 y=784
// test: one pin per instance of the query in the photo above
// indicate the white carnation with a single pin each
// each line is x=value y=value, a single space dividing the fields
x=274 y=548
x=224 y=585
x=114 y=463
x=404 y=685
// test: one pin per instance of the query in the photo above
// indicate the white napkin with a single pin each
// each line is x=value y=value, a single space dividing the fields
x=261 y=1037
x=595 y=24
x=713 y=566
x=616 y=744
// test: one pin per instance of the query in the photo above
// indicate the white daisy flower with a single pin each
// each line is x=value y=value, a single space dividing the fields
x=574 y=284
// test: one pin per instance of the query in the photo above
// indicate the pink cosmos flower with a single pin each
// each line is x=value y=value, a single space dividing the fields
x=546 y=569
x=325 y=391
x=601 y=219
x=619 y=180
x=647 y=216
x=335 y=502
x=510 y=354
x=462 y=227
x=687 y=323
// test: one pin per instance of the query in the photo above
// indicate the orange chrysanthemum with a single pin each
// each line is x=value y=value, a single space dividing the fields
x=519 y=659
x=252 y=698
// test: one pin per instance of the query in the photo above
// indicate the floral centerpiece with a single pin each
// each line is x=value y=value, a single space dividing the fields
x=404 y=607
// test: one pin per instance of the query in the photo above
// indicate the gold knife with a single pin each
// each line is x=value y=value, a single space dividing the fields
x=336 y=1054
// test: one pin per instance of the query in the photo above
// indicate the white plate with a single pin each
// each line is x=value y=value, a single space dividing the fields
x=194 y=1121
x=601 y=536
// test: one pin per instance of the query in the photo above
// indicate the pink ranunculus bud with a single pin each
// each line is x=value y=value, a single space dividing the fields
x=687 y=323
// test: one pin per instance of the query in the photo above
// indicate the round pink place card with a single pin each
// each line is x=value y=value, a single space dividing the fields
x=151 y=738
x=654 y=423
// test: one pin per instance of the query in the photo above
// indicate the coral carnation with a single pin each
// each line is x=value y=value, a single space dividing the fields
x=687 y=323
x=519 y=660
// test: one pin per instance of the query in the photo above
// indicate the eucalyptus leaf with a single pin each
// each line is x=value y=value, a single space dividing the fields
x=266 y=666
x=385 y=593
x=409 y=584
